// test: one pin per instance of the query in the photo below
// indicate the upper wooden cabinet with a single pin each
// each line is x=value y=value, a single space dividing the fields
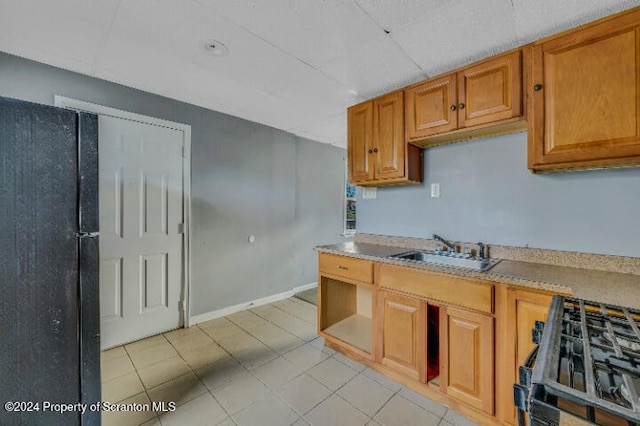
x=489 y=92
x=585 y=97
x=431 y=107
x=360 y=142
x=377 y=150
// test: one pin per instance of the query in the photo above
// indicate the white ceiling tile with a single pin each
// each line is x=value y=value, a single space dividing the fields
x=459 y=33
x=99 y=12
x=539 y=18
x=315 y=31
x=377 y=67
x=45 y=28
x=277 y=112
x=331 y=130
x=294 y=65
x=395 y=14
x=154 y=70
x=182 y=29
x=35 y=54
x=320 y=94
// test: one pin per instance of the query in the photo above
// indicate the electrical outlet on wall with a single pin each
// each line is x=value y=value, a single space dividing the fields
x=435 y=190
x=369 y=193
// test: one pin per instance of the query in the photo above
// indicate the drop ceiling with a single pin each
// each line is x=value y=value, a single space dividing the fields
x=295 y=65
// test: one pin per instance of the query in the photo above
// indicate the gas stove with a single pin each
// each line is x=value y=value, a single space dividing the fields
x=586 y=368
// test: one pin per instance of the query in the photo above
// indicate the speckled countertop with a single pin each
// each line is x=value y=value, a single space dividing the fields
x=610 y=287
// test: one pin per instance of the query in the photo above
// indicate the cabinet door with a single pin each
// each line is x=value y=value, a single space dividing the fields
x=585 y=95
x=360 y=142
x=431 y=107
x=403 y=334
x=529 y=308
x=466 y=357
x=388 y=136
x=523 y=309
x=490 y=91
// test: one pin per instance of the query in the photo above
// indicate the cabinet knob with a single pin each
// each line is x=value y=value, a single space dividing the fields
x=537 y=87
x=370 y=151
x=375 y=149
x=453 y=107
x=461 y=105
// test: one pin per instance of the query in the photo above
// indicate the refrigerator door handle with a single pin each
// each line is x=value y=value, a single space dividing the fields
x=87 y=234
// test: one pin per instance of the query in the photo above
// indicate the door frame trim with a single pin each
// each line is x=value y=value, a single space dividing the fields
x=79 y=105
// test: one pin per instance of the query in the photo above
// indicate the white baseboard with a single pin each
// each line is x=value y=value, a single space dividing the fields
x=305 y=287
x=196 y=319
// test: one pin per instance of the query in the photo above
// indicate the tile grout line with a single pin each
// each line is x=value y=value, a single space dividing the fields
x=198 y=377
x=291 y=313
x=141 y=382
x=271 y=322
x=281 y=355
x=251 y=371
x=273 y=391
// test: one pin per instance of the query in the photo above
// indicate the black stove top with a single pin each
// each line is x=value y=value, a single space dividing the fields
x=588 y=363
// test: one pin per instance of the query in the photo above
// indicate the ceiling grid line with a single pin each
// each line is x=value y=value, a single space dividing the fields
x=291 y=65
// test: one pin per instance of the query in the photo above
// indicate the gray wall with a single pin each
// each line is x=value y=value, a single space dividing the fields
x=487 y=194
x=246 y=179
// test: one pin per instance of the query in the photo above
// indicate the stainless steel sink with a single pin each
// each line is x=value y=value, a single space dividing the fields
x=448 y=259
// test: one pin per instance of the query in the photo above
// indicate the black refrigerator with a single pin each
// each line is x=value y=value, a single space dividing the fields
x=49 y=306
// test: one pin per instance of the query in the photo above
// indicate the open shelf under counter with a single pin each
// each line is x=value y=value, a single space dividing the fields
x=346 y=313
x=354 y=330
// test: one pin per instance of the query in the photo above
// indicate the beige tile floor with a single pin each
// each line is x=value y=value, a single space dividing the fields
x=264 y=366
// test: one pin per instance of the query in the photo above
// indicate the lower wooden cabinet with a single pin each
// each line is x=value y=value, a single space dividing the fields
x=529 y=308
x=523 y=308
x=345 y=302
x=402 y=334
x=467 y=357
x=456 y=339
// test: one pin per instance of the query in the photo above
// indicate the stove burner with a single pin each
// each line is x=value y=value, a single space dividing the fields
x=588 y=362
x=627 y=344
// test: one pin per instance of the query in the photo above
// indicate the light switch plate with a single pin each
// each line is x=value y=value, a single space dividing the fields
x=369 y=193
x=435 y=190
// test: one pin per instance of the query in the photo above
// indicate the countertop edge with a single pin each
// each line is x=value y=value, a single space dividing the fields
x=489 y=275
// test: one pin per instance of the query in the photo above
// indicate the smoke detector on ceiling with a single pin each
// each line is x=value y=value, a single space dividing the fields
x=216 y=48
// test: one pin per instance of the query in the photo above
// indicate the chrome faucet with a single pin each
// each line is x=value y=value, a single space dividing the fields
x=452 y=247
x=481 y=251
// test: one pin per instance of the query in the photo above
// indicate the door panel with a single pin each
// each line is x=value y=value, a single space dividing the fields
x=431 y=107
x=529 y=309
x=141 y=213
x=360 y=142
x=388 y=136
x=524 y=308
x=404 y=334
x=586 y=105
x=111 y=288
x=154 y=215
x=490 y=91
x=154 y=281
x=467 y=361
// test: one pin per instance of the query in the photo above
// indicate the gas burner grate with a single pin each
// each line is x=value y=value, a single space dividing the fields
x=590 y=358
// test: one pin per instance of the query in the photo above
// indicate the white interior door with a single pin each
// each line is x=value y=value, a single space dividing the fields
x=141 y=229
